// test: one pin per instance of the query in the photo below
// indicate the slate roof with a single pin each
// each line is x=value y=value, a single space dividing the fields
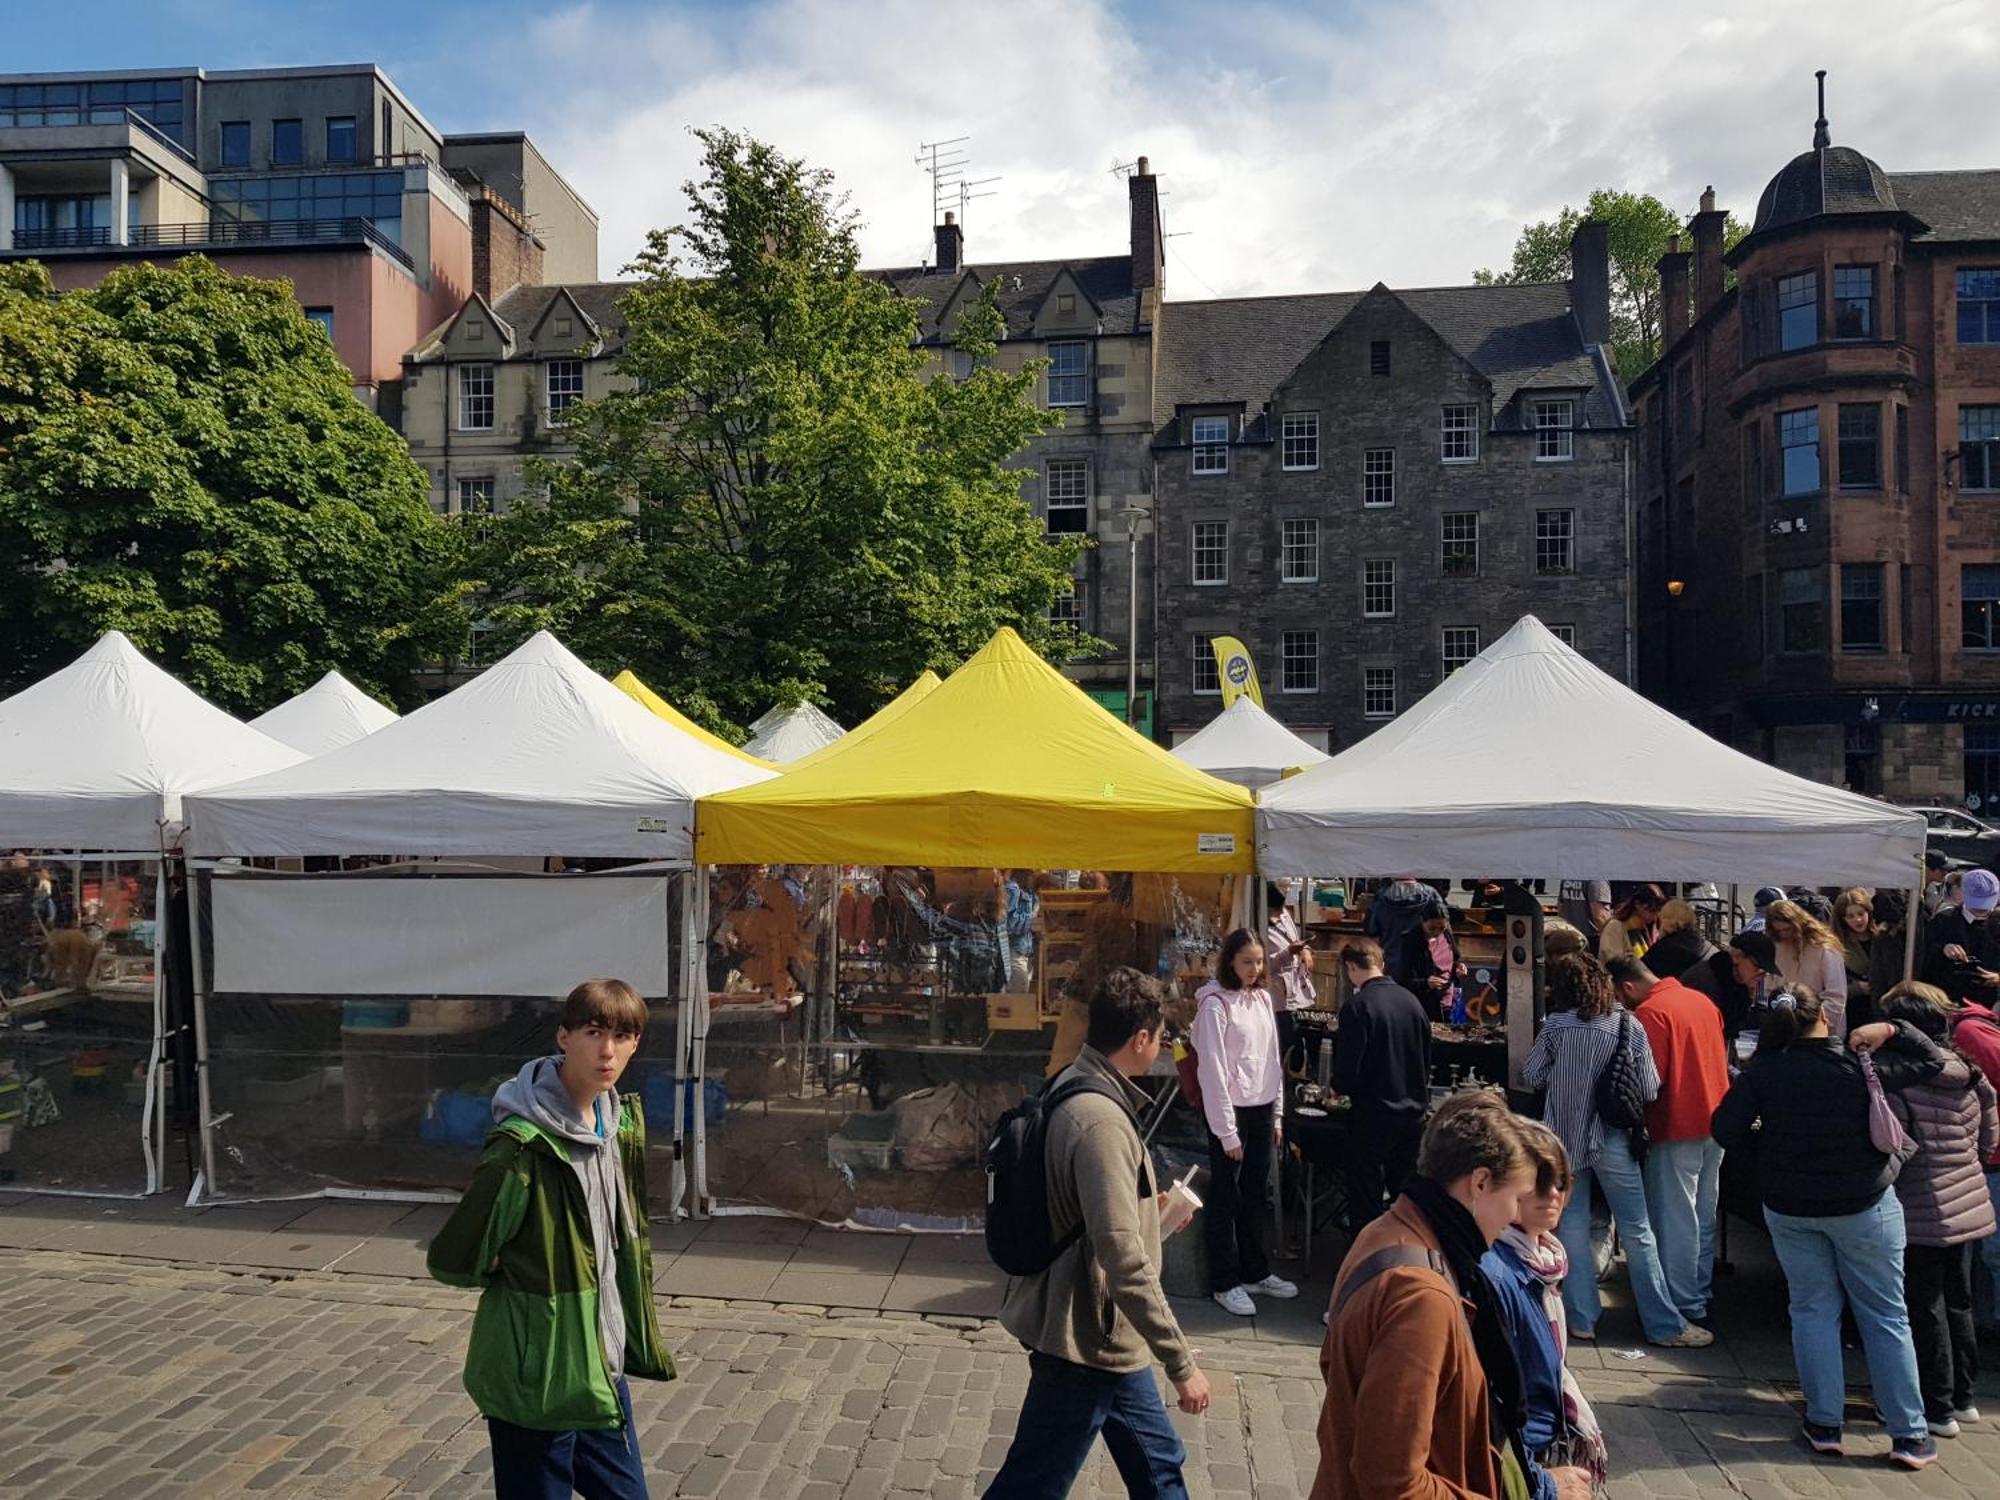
x=1955 y=205
x=1242 y=349
x=1824 y=180
x=1024 y=285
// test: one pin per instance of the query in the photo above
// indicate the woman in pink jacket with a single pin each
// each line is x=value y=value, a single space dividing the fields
x=1242 y=1095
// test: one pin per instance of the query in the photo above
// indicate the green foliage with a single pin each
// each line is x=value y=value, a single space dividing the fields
x=182 y=458
x=787 y=503
x=1639 y=227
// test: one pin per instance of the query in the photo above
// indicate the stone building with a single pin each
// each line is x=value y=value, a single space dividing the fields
x=1370 y=487
x=1819 y=479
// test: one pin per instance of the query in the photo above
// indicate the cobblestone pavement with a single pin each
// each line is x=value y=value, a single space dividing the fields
x=123 y=1376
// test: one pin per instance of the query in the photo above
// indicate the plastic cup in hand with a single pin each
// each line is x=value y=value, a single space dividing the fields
x=1180 y=1207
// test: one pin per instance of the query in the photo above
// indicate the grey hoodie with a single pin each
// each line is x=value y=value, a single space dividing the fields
x=537 y=1095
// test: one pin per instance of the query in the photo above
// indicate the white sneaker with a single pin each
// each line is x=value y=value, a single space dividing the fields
x=1272 y=1286
x=1237 y=1301
x=1966 y=1414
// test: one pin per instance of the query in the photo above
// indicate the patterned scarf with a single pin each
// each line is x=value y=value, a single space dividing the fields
x=1545 y=1260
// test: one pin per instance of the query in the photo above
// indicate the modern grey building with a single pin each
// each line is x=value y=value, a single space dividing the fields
x=1369 y=487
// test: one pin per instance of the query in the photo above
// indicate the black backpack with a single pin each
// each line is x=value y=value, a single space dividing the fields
x=1621 y=1087
x=1018 y=1234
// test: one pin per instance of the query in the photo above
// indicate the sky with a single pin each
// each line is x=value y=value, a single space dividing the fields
x=1299 y=147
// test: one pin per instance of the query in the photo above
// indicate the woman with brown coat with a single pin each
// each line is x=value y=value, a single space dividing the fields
x=1946 y=1209
x=1423 y=1394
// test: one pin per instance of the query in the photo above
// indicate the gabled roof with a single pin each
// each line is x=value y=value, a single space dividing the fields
x=563 y=298
x=1024 y=286
x=524 y=307
x=1520 y=337
x=1955 y=205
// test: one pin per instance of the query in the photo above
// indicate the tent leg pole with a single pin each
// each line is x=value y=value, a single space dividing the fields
x=1911 y=916
x=697 y=1078
x=202 y=1097
x=694 y=952
x=153 y=1117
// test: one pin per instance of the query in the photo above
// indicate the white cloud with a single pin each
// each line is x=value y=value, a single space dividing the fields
x=1299 y=148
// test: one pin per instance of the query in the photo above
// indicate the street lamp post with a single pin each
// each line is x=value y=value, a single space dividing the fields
x=1132 y=515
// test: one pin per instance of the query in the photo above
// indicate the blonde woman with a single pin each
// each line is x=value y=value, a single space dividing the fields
x=1809 y=954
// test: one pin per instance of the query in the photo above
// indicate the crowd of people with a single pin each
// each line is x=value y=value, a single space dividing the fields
x=1860 y=1101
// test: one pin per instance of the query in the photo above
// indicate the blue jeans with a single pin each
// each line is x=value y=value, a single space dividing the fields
x=529 y=1464
x=1618 y=1174
x=1067 y=1405
x=1862 y=1255
x=1986 y=1292
x=1683 y=1182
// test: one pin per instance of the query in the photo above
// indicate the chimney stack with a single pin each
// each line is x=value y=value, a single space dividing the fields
x=950 y=244
x=1673 y=268
x=1149 y=244
x=1590 y=280
x=1707 y=229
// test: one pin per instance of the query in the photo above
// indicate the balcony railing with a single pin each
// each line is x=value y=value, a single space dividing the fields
x=219 y=232
x=59 y=116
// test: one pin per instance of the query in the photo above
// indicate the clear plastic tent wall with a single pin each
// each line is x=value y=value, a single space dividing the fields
x=864 y=1027
x=365 y=1054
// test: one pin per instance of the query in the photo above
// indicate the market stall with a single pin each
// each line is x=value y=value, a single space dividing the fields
x=1529 y=758
x=787 y=734
x=1244 y=744
x=981 y=858
x=353 y=1021
x=331 y=713
x=94 y=763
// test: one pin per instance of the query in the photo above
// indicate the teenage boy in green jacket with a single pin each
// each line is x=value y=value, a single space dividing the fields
x=553 y=1232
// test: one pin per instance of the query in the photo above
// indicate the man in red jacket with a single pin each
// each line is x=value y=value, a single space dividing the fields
x=1683 y=1165
x=1975 y=1031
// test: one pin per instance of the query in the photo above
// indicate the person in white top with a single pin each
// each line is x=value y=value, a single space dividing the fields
x=1242 y=1096
x=1809 y=954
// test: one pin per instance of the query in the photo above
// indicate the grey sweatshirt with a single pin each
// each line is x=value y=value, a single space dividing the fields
x=536 y=1093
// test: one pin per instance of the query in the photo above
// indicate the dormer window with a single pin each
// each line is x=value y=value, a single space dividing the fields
x=1210 y=437
x=1555 y=425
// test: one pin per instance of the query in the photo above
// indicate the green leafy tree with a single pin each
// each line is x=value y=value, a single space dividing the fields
x=182 y=458
x=1639 y=227
x=789 y=501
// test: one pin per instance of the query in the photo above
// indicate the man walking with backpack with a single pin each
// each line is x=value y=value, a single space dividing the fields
x=1094 y=1318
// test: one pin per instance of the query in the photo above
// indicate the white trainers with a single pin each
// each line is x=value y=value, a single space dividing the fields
x=1237 y=1301
x=1272 y=1286
x=1966 y=1414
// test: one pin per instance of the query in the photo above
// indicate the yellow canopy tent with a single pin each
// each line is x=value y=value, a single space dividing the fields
x=884 y=716
x=628 y=683
x=1006 y=763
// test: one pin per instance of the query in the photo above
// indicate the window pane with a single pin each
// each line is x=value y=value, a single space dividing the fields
x=1378 y=588
x=1798 y=442
x=235 y=143
x=1460 y=645
x=1459 y=442
x=1378 y=476
x=1860 y=447
x=1854 y=302
x=1553 y=421
x=1378 y=692
x=1861 y=613
x=1801 y=610
x=1979 y=305
x=340 y=138
x=1207 y=678
x=1298 y=657
x=1555 y=541
x=1210 y=552
x=1979 y=447
x=288 y=141
x=1299 y=440
x=1459 y=555
x=1300 y=551
x=1066 y=495
x=1210 y=436
x=1798 y=311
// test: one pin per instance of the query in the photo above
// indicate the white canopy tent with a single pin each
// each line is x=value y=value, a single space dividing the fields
x=1244 y=744
x=1530 y=759
x=331 y=713
x=98 y=755
x=789 y=734
x=96 y=758
x=536 y=755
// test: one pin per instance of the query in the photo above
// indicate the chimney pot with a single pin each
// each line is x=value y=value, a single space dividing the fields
x=1708 y=199
x=1145 y=167
x=950 y=217
x=1708 y=269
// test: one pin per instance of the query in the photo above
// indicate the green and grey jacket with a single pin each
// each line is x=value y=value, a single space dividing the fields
x=522 y=1235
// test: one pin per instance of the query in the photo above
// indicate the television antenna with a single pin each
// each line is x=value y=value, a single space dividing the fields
x=948 y=164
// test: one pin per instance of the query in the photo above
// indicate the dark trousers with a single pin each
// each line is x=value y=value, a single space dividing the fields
x=1377 y=1157
x=1067 y=1405
x=1233 y=1214
x=529 y=1464
x=1937 y=1286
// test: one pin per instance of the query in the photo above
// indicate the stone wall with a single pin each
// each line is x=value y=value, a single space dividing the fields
x=1924 y=762
x=1815 y=751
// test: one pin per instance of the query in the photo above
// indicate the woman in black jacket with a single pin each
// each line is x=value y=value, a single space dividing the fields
x=1431 y=965
x=1827 y=1201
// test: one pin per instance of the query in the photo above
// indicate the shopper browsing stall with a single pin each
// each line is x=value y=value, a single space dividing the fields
x=1810 y=954
x=1435 y=973
x=1242 y=1097
x=1382 y=1062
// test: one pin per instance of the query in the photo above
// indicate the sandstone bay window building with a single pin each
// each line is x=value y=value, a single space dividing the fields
x=1819 y=479
x=1369 y=488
